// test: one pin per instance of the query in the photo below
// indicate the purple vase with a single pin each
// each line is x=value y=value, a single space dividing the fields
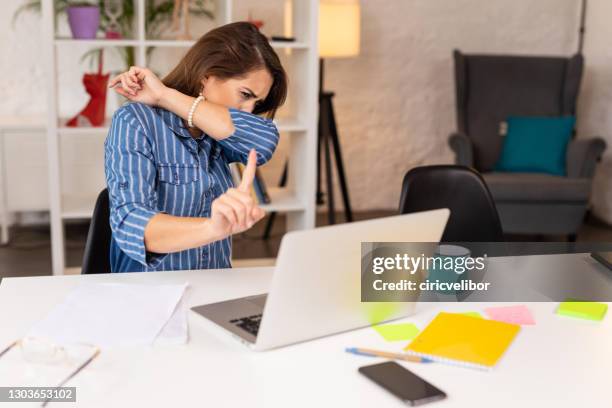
x=84 y=21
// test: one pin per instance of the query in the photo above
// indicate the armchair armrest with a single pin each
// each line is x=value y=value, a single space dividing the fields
x=582 y=156
x=462 y=146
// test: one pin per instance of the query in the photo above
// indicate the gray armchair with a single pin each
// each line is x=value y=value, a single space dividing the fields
x=492 y=88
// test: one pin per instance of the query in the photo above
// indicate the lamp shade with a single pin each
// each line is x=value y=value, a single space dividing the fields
x=339 y=28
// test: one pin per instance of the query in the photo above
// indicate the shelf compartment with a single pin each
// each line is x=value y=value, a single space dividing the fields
x=283 y=125
x=290 y=125
x=82 y=130
x=81 y=207
x=296 y=45
x=283 y=200
x=103 y=42
x=98 y=42
x=77 y=207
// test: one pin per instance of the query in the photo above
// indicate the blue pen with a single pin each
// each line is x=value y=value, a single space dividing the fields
x=394 y=356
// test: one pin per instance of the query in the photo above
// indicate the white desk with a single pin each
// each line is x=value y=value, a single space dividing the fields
x=560 y=362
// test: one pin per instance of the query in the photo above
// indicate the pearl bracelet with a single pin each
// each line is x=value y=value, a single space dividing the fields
x=192 y=110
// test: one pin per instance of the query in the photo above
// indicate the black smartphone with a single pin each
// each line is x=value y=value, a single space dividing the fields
x=402 y=383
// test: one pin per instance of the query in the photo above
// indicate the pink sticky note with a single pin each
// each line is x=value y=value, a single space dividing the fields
x=511 y=314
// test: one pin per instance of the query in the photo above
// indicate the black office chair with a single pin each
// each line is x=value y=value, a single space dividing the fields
x=97 y=249
x=473 y=215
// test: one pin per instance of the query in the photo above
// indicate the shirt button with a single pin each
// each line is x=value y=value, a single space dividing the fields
x=176 y=177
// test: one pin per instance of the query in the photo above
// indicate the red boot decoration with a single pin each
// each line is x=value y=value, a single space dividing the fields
x=93 y=113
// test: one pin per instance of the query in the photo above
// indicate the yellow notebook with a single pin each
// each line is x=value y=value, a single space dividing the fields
x=464 y=340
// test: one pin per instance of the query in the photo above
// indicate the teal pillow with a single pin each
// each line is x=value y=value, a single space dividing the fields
x=536 y=145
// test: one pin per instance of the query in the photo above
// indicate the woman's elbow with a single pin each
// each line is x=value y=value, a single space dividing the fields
x=262 y=157
x=265 y=153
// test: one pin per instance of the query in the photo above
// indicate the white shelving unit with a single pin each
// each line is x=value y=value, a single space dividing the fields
x=15 y=132
x=298 y=120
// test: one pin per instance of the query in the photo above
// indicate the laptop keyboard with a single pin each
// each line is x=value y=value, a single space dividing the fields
x=249 y=324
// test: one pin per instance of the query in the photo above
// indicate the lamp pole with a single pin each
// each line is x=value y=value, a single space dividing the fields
x=583 y=10
x=328 y=141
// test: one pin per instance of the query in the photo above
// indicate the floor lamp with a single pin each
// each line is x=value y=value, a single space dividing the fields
x=339 y=37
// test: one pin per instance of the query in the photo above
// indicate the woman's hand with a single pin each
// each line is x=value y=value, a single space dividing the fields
x=236 y=211
x=139 y=85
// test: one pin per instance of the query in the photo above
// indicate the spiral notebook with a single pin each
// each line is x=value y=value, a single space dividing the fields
x=464 y=340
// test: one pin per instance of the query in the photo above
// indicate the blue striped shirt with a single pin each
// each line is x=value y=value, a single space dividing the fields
x=153 y=165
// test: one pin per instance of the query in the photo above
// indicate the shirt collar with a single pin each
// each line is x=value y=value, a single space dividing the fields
x=175 y=123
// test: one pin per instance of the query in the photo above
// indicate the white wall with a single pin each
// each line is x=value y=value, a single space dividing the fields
x=395 y=102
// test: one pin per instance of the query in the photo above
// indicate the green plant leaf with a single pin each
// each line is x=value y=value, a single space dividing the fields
x=31 y=6
x=92 y=56
x=157 y=14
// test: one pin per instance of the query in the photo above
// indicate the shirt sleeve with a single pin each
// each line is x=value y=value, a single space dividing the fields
x=130 y=176
x=250 y=132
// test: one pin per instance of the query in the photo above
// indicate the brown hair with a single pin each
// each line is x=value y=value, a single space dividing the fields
x=231 y=51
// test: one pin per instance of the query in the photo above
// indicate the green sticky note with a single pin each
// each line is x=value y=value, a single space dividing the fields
x=377 y=312
x=583 y=310
x=397 y=332
x=473 y=314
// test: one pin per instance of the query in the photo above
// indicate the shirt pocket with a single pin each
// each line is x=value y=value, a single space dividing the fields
x=178 y=173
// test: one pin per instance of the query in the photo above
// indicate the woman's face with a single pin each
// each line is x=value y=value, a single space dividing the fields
x=238 y=93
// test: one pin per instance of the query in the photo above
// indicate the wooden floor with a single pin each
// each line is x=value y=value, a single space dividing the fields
x=29 y=251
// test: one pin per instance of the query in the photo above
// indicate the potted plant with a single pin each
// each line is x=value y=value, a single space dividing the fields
x=84 y=19
x=158 y=13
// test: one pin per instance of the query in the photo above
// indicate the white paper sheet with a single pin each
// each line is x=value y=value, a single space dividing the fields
x=176 y=330
x=113 y=314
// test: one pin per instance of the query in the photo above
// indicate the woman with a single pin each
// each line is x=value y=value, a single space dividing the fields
x=173 y=205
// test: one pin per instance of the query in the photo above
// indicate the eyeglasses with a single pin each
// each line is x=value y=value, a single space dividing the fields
x=43 y=351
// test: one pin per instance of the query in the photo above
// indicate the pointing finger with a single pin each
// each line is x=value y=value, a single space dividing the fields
x=249 y=172
x=114 y=81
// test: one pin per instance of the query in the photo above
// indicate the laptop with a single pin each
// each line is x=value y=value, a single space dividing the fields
x=316 y=284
